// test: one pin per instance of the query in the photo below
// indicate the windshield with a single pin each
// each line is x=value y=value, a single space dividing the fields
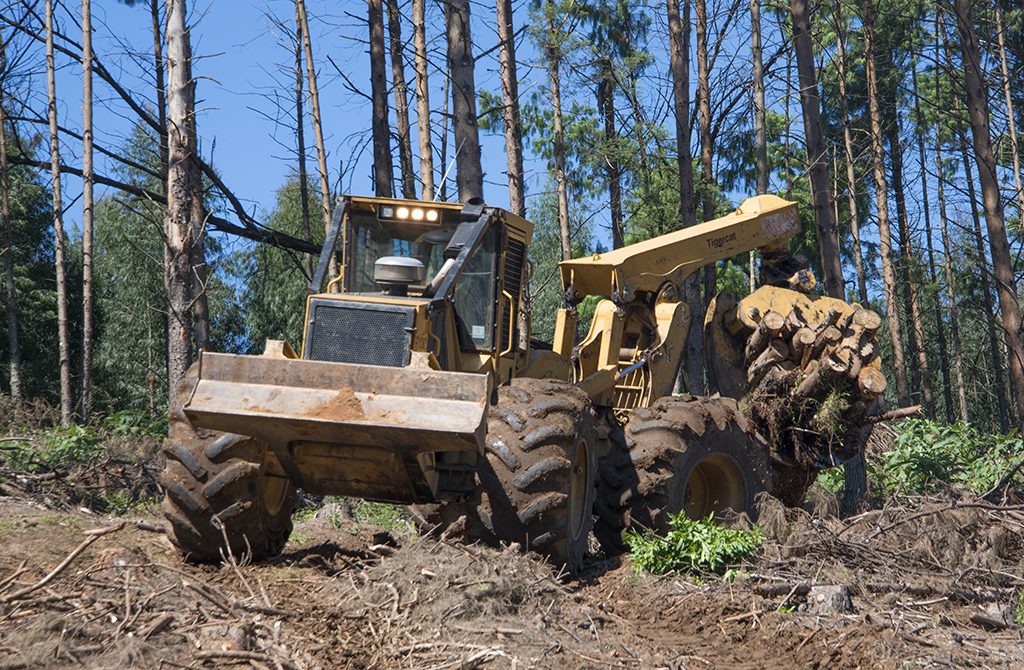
x=370 y=239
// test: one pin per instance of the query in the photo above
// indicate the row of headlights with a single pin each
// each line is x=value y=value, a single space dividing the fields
x=408 y=213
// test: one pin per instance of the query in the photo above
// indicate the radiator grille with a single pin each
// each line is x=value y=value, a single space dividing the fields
x=359 y=332
x=515 y=257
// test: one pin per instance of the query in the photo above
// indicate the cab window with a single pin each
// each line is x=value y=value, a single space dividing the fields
x=474 y=296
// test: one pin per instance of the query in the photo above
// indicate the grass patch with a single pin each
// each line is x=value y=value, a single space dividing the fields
x=692 y=546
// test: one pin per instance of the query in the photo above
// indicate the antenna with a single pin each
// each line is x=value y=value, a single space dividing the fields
x=444 y=178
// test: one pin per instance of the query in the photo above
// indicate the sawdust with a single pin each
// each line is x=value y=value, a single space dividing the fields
x=344 y=406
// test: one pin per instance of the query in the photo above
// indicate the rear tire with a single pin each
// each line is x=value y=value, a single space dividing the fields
x=536 y=485
x=694 y=455
x=219 y=485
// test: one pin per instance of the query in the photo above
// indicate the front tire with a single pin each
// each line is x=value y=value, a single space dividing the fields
x=536 y=485
x=221 y=485
x=694 y=455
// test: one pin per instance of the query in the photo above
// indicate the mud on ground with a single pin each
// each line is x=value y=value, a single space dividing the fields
x=929 y=586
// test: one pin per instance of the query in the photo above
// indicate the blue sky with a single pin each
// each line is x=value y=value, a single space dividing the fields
x=241 y=62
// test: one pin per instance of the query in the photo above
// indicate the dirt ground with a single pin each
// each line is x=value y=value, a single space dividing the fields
x=929 y=586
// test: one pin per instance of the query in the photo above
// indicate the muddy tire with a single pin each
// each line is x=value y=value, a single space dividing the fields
x=696 y=455
x=536 y=486
x=616 y=484
x=214 y=480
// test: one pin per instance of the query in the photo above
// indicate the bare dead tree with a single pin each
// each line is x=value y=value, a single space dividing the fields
x=66 y=402
x=422 y=100
x=401 y=101
x=470 y=174
x=300 y=138
x=510 y=109
x=87 y=210
x=381 y=123
x=178 y=233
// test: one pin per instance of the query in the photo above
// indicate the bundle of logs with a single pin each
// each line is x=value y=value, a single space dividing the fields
x=813 y=386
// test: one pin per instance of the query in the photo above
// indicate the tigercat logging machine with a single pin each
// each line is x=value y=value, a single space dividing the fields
x=417 y=383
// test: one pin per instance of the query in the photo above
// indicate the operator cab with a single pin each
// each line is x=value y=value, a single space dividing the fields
x=444 y=278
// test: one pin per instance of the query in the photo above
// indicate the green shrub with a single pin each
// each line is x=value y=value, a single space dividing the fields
x=929 y=456
x=692 y=546
x=135 y=423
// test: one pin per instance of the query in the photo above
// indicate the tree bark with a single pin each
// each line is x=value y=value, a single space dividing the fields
x=554 y=58
x=510 y=108
x=11 y=291
x=1002 y=263
x=87 y=211
x=954 y=319
x=851 y=176
x=66 y=403
x=1011 y=123
x=423 y=100
x=760 y=121
x=469 y=174
x=882 y=204
x=947 y=250
x=919 y=374
x=940 y=326
x=998 y=383
x=180 y=189
x=828 y=234
x=161 y=91
x=606 y=108
x=401 y=101
x=692 y=369
x=383 y=170
x=707 y=149
x=197 y=218
x=318 y=132
x=300 y=141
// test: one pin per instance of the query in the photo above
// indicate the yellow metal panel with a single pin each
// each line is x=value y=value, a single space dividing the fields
x=764 y=221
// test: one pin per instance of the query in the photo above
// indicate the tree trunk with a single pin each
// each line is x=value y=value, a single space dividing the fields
x=1011 y=123
x=66 y=405
x=510 y=108
x=882 y=200
x=828 y=234
x=11 y=292
x=423 y=100
x=180 y=189
x=197 y=251
x=318 y=132
x=947 y=246
x=998 y=383
x=1002 y=263
x=445 y=116
x=679 y=62
x=707 y=150
x=760 y=122
x=851 y=176
x=606 y=108
x=401 y=102
x=554 y=56
x=382 y=166
x=87 y=211
x=300 y=141
x=940 y=326
x=954 y=319
x=919 y=374
x=161 y=91
x=470 y=174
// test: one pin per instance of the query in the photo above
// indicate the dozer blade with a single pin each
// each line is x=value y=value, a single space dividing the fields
x=285 y=401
